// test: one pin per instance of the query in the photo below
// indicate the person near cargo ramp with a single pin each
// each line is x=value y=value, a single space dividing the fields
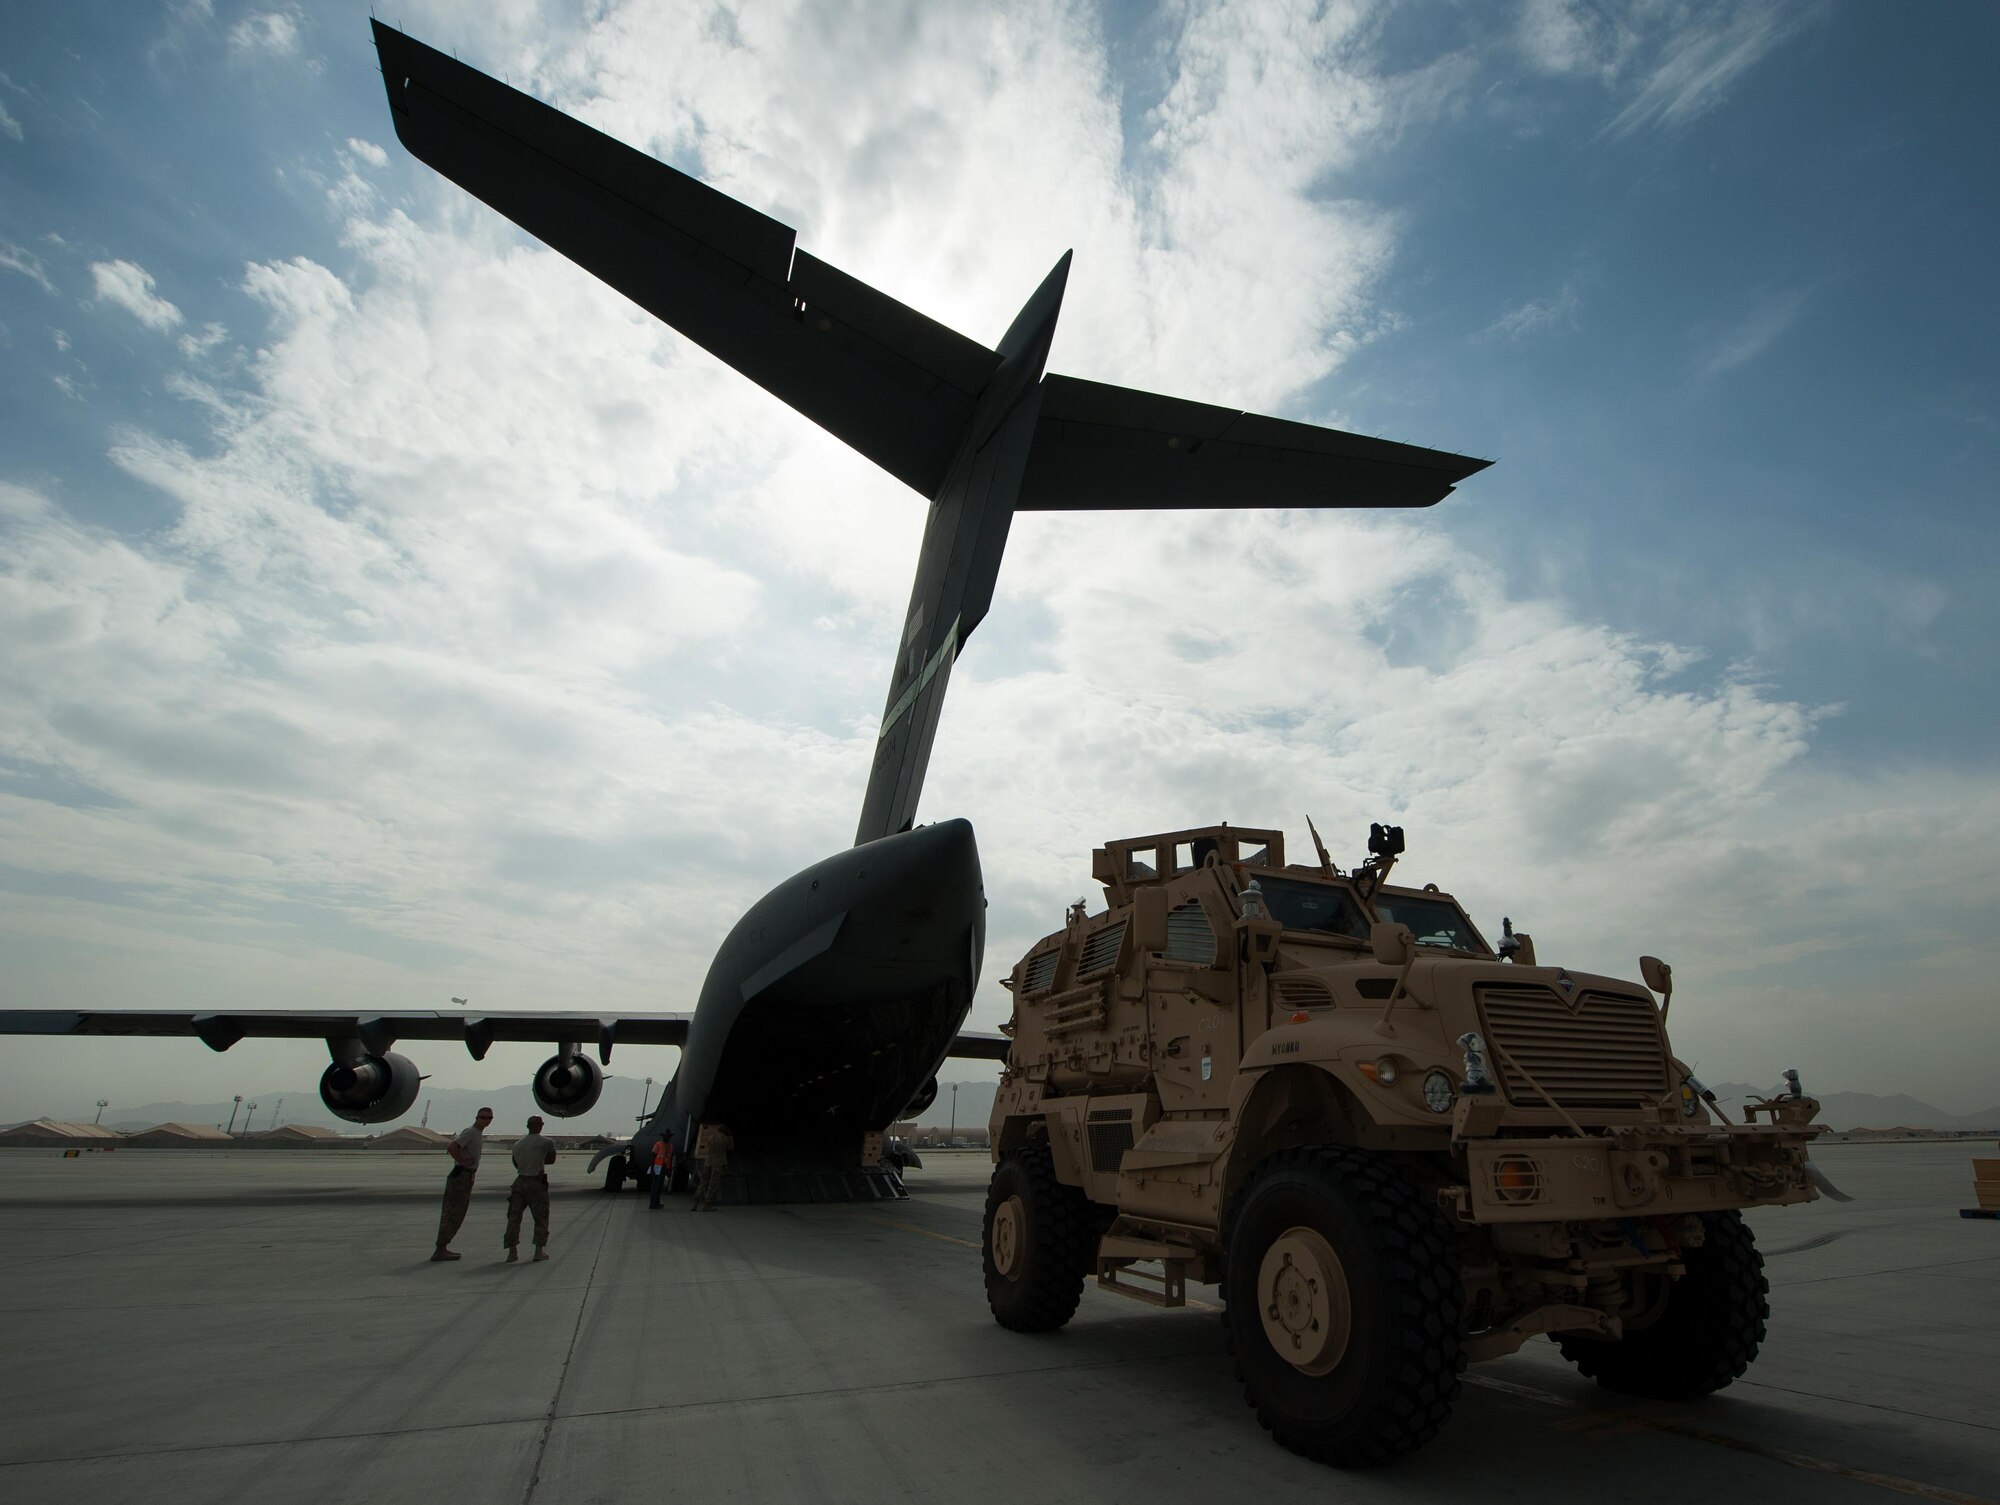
x=662 y=1166
x=716 y=1143
x=465 y=1148
x=533 y=1155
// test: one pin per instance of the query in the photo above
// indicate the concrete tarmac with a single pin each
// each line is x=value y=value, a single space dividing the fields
x=265 y=1327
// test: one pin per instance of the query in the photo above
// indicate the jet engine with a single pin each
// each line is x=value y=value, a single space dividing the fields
x=567 y=1085
x=370 y=1089
x=926 y=1095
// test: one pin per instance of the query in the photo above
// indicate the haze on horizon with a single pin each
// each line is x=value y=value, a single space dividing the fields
x=391 y=613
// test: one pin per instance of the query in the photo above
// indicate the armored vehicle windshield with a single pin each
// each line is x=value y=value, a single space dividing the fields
x=1321 y=907
x=1433 y=921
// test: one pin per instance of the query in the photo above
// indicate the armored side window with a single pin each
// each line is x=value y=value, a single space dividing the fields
x=1190 y=938
x=1256 y=857
x=1041 y=971
x=1136 y=865
x=1100 y=950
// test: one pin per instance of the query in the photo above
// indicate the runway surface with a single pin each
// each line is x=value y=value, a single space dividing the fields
x=265 y=1326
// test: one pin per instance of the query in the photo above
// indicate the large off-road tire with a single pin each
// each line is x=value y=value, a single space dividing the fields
x=1040 y=1240
x=1702 y=1335
x=1343 y=1306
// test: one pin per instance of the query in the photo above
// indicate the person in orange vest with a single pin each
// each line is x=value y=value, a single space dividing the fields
x=663 y=1166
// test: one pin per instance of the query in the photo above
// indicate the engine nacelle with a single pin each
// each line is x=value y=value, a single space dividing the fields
x=566 y=1087
x=370 y=1089
x=926 y=1095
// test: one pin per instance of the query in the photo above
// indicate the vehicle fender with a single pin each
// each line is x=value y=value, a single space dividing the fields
x=1276 y=1107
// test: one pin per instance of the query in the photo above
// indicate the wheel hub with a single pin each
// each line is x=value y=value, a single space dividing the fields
x=1010 y=1221
x=1302 y=1299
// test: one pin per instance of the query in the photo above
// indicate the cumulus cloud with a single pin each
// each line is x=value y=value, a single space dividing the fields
x=199 y=342
x=368 y=152
x=130 y=286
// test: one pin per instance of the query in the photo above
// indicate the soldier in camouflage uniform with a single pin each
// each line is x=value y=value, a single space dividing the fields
x=532 y=1155
x=720 y=1142
x=465 y=1148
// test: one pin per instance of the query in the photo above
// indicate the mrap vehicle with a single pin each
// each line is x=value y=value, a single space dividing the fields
x=1394 y=1147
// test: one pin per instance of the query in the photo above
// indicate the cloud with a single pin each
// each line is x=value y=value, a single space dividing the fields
x=20 y=259
x=367 y=151
x=499 y=642
x=1672 y=62
x=198 y=343
x=10 y=127
x=1533 y=317
x=275 y=33
x=130 y=286
x=1700 y=61
x=1571 y=36
x=183 y=18
x=1755 y=333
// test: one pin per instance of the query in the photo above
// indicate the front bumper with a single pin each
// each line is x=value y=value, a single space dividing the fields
x=1640 y=1172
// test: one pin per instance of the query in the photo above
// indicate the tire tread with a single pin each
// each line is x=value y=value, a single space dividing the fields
x=1424 y=1289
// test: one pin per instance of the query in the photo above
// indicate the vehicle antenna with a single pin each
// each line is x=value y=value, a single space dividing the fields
x=1325 y=862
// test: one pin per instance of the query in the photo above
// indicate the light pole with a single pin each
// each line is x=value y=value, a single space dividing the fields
x=950 y=1138
x=232 y=1114
x=249 y=1118
x=645 y=1095
x=277 y=1113
x=102 y=1104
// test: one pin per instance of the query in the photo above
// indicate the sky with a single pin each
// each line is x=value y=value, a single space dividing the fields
x=391 y=613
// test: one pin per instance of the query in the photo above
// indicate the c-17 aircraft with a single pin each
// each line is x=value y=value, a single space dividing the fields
x=831 y=1005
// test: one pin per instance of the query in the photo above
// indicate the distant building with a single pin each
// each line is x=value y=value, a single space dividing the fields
x=409 y=1137
x=48 y=1133
x=179 y=1137
x=296 y=1137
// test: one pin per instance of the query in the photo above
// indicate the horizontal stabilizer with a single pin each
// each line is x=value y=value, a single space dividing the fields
x=1106 y=448
x=889 y=381
x=971 y=1046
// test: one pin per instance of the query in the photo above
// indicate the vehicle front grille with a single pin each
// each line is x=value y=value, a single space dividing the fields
x=1605 y=1051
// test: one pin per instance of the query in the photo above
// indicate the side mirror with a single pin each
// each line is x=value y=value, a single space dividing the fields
x=1657 y=974
x=1391 y=943
x=1149 y=919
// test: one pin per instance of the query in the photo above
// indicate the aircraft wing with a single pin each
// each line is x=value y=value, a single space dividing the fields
x=222 y=1028
x=1100 y=447
x=896 y=385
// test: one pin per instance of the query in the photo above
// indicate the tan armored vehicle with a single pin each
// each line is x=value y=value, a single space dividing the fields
x=1394 y=1147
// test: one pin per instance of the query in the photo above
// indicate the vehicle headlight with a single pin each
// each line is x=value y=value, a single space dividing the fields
x=1385 y=1070
x=1438 y=1092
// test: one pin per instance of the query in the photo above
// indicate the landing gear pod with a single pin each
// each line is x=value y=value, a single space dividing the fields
x=926 y=1095
x=370 y=1089
x=568 y=1084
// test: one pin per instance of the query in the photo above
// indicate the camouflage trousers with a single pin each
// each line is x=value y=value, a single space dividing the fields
x=528 y=1194
x=711 y=1183
x=457 y=1197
